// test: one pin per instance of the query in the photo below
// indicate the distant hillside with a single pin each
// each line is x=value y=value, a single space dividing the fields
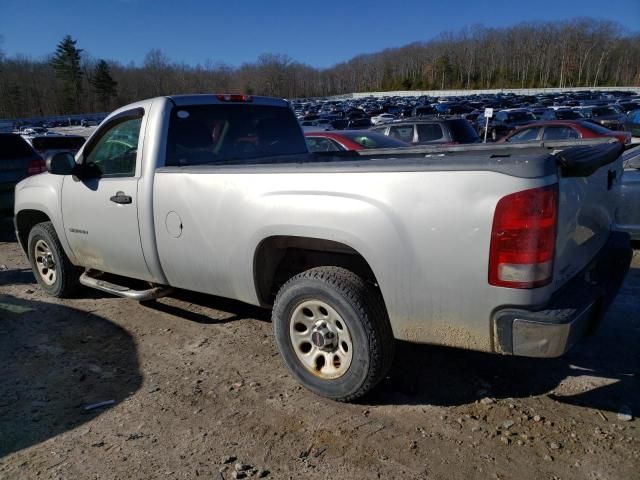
x=576 y=53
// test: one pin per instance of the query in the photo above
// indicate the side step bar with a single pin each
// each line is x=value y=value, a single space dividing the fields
x=91 y=278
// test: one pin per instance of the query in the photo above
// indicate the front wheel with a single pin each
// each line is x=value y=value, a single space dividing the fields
x=55 y=274
x=333 y=332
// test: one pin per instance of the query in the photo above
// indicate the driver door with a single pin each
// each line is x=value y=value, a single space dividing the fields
x=100 y=210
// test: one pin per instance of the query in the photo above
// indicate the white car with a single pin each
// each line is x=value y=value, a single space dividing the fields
x=382 y=118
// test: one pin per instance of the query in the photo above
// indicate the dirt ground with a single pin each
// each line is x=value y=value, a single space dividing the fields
x=196 y=386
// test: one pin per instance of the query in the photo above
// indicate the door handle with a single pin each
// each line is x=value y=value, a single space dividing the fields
x=121 y=198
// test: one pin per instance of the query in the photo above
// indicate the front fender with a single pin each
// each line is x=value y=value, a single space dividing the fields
x=42 y=193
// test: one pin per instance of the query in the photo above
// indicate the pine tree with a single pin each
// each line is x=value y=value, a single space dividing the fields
x=103 y=84
x=66 y=63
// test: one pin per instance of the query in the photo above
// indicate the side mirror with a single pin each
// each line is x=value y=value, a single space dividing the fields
x=61 y=163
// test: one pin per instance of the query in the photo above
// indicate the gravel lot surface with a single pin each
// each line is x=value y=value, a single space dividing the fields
x=195 y=389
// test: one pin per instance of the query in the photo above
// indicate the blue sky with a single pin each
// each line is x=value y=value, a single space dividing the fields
x=319 y=33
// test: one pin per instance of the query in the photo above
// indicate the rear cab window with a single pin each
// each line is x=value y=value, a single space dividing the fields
x=231 y=134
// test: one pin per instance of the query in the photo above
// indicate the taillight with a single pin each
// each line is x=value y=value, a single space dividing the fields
x=523 y=238
x=234 y=98
x=36 y=166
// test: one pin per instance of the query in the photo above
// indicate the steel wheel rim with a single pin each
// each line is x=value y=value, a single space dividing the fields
x=310 y=320
x=45 y=262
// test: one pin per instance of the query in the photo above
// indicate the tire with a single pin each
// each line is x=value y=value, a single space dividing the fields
x=345 y=309
x=55 y=274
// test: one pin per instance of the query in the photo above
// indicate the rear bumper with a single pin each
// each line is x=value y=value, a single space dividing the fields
x=573 y=312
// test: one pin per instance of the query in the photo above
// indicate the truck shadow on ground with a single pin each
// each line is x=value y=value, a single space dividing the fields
x=606 y=366
x=55 y=360
x=206 y=309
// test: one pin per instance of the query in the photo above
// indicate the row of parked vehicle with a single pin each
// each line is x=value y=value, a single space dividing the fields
x=425 y=120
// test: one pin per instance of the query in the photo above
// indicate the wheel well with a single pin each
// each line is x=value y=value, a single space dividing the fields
x=279 y=258
x=25 y=221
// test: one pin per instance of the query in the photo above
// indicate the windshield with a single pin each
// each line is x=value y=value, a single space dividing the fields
x=520 y=116
x=594 y=127
x=568 y=115
x=231 y=134
x=602 y=111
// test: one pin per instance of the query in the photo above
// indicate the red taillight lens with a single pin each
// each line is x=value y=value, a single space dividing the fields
x=37 y=165
x=234 y=98
x=523 y=238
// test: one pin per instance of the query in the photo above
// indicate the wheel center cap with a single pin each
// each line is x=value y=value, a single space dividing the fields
x=323 y=338
x=47 y=261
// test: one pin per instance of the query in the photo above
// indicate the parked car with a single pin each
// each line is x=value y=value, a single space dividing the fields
x=628 y=214
x=633 y=123
x=627 y=107
x=382 y=118
x=47 y=145
x=349 y=140
x=422 y=110
x=503 y=122
x=563 y=130
x=358 y=123
x=605 y=115
x=431 y=131
x=17 y=161
x=34 y=131
x=86 y=122
x=562 y=114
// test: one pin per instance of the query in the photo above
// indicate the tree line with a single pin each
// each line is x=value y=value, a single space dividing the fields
x=581 y=52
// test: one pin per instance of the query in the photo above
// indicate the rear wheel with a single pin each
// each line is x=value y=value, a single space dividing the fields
x=55 y=274
x=333 y=332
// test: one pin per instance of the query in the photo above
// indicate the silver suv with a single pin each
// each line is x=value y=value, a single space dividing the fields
x=432 y=131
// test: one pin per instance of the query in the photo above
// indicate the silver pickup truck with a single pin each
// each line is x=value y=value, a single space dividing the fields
x=505 y=249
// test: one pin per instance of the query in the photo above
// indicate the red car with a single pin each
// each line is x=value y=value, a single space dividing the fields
x=336 y=141
x=563 y=130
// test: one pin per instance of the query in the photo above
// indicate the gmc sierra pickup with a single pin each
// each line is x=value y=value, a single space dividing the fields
x=505 y=249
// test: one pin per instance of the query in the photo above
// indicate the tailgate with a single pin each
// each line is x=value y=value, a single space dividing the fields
x=589 y=184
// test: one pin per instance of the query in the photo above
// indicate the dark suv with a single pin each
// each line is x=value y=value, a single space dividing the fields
x=17 y=161
x=432 y=131
x=504 y=122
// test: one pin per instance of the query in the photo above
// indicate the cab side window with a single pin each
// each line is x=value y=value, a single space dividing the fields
x=115 y=152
